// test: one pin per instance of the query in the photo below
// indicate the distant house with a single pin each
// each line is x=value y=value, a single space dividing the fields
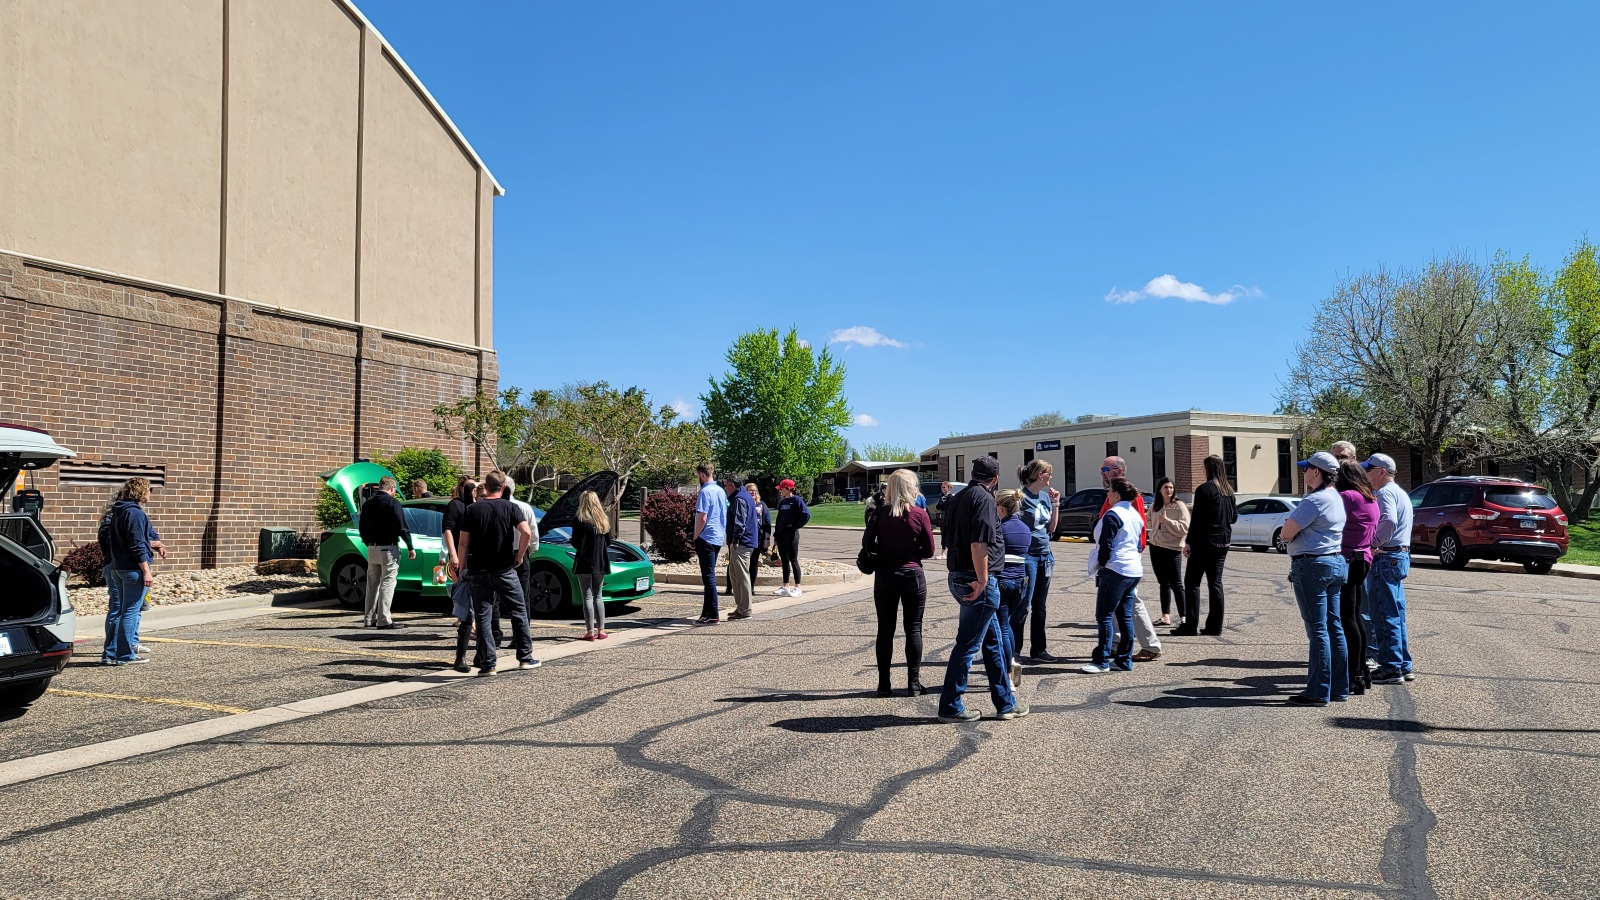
x=859 y=478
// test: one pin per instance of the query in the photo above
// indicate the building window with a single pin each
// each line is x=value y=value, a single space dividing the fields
x=1285 y=466
x=1158 y=458
x=961 y=468
x=1027 y=456
x=1230 y=460
x=105 y=474
x=1069 y=472
x=1111 y=448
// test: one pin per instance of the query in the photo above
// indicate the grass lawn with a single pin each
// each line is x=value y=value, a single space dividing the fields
x=1584 y=548
x=851 y=514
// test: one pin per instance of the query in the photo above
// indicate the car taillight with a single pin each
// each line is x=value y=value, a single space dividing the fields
x=1561 y=518
x=1481 y=514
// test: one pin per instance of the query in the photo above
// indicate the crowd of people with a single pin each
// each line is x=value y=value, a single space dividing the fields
x=1348 y=543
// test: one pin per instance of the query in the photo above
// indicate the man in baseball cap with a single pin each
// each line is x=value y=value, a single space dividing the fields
x=1391 y=563
x=1324 y=462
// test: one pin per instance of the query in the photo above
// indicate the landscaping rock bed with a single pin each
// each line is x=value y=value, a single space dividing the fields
x=188 y=587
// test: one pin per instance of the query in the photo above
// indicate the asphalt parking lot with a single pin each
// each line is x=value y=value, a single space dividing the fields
x=753 y=759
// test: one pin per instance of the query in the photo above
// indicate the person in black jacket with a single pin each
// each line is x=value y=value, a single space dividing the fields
x=763 y=534
x=1210 y=533
x=591 y=562
x=383 y=527
x=792 y=516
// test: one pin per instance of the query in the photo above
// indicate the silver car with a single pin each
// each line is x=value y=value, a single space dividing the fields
x=37 y=622
x=1261 y=519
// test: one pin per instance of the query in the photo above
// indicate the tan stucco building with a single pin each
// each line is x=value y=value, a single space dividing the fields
x=1259 y=450
x=237 y=238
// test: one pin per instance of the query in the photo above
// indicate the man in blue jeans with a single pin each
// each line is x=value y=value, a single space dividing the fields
x=710 y=533
x=1391 y=563
x=971 y=535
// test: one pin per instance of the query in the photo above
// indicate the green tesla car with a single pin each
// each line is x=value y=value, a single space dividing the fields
x=342 y=557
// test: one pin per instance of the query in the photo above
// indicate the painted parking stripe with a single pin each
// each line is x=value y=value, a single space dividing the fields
x=168 y=701
x=337 y=651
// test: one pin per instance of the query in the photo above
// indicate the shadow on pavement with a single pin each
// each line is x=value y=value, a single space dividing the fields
x=850 y=724
x=1246 y=663
x=1411 y=726
x=1256 y=690
x=797 y=697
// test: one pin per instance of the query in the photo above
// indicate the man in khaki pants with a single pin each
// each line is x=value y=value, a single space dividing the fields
x=383 y=527
x=743 y=533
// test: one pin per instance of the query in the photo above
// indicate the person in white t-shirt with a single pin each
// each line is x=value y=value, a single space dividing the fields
x=1116 y=565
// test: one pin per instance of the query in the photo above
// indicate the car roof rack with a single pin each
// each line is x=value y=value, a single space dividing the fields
x=1500 y=479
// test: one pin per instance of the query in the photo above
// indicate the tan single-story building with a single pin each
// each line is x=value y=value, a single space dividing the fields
x=1259 y=451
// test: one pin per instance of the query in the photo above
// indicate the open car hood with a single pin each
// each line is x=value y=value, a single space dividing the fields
x=564 y=511
x=348 y=482
x=23 y=448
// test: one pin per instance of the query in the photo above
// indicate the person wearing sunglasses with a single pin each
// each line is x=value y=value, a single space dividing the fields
x=1113 y=468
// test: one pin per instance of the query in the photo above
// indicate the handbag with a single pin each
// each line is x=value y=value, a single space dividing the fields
x=867 y=559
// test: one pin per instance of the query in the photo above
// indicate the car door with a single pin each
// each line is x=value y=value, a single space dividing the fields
x=1422 y=523
x=1247 y=530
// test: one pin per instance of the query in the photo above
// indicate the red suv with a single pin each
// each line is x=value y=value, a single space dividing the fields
x=1462 y=518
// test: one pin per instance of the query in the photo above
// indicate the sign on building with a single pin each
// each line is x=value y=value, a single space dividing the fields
x=1042 y=446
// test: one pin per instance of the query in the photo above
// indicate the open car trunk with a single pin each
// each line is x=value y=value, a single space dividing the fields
x=29 y=594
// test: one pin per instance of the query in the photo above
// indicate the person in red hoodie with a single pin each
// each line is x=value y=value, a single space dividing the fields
x=1145 y=630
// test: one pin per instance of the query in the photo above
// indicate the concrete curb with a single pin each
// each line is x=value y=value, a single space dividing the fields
x=762 y=580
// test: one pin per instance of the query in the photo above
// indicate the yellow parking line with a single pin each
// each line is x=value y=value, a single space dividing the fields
x=192 y=704
x=338 y=651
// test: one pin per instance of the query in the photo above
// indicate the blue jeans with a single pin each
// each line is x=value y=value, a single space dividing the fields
x=1012 y=614
x=707 y=554
x=1317 y=582
x=1113 y=603
x=1389 y=640
x=123 y=610
x=1040 y=568
x=978 y=626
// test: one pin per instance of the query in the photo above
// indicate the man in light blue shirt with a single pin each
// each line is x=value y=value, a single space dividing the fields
x=710 y=533
x=1391 y=563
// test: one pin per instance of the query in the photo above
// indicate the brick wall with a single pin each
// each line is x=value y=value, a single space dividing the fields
x=126 y=374
x=1188 y=467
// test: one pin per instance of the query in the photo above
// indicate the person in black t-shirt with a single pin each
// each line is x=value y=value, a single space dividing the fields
x=493 y=541
x=977 y=553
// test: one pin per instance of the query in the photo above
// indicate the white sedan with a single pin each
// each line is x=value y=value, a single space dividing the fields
x=1261 y=519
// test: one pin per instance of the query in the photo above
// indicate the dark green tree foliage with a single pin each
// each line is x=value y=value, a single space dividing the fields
x=780 y=411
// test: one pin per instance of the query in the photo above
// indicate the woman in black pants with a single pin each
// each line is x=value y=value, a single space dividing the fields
x=1360 y=528
x=792 y=516
x=1168 y=527
x=1210 y=533
x=901 y=534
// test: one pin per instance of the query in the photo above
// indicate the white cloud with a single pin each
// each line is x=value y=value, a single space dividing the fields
x=863 y=336
x=1168 y=287
x=683 y=409
x=865 y=420
x=805 y=343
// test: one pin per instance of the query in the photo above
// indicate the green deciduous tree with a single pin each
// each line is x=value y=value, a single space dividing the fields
x=886 y=453
x=780 y=411
x=1045 y=420
x=530 y=433
x=629 y=436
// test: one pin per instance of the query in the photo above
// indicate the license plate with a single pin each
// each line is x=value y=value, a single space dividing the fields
x=5 y=645
x=641 y=584
x=1529 y=525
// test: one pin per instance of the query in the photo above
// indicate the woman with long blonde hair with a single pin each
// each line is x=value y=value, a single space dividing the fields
x=900 y=534
x=591 y=544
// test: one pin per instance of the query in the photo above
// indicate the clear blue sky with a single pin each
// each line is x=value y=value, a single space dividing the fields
x=975 y=180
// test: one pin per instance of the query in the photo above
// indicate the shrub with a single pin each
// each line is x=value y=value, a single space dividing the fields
x=431 y=465
x=86 y=562
x=306 y=544
x=541 y=496
x=826 y=499
x=668 y=517
x=330 y=509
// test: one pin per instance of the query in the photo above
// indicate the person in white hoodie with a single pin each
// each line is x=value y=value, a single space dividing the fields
x=1116 y=565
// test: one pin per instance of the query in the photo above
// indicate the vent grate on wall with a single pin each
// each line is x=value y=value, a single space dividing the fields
x=103 y=474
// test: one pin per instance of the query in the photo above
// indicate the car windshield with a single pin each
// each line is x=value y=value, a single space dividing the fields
x=423 y=522
x=556 y=536
x=1520 y=498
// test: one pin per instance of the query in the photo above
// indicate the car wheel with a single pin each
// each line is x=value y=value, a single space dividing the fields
x=1278 y=543
x=350 y=582
x=1451 y=556
x=549 y=594
x=16 y=696
x=1538 y=566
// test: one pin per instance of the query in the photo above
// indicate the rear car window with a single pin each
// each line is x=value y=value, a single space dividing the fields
x=424 y=522
x=1520 y=498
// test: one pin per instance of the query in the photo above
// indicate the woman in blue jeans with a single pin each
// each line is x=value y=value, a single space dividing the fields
x=125 y=543
x=1116 y=565
x=1013 y=578
x=1040 y=511
x=1317 y=569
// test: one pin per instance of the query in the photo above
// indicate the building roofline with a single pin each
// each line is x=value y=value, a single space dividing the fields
x=416 y=83
x=1191 y=416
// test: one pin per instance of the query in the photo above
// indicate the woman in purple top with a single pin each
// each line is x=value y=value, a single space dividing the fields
x=1013 y=579
x=901 y=534
x=1360 y=527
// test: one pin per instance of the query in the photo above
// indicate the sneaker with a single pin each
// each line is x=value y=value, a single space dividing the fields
x=529 y=664
x=966 y=715
x=795 y=592
x=707 y=620
x=1410 y=676
x=734 y=616
x=463 y=668
x=140 y=648
x=1094 y=669
x=601 y=635
x=1119 y=667
x=1017 y=711
x=1045 y=656
x=1385 y=676
x=488 y=671
x=391 y=625
x=1303 y=700
x=1147 y=655
x=587 y=636
x=781 y=592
